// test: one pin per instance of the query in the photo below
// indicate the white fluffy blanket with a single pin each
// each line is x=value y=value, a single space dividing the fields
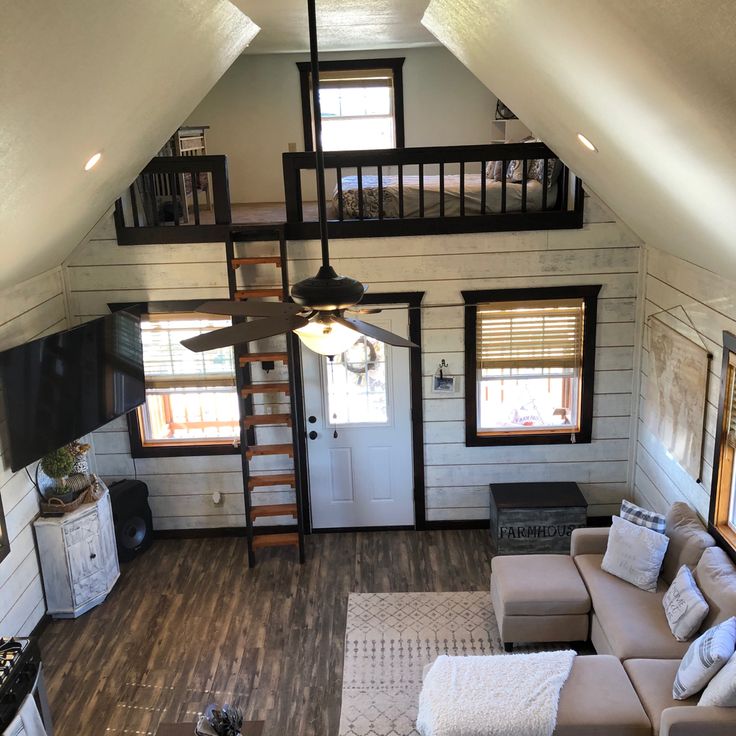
x=502 y=695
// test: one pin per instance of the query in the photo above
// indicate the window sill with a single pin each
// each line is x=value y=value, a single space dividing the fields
x=724 y=534
x=194 y=450
x=547 y=438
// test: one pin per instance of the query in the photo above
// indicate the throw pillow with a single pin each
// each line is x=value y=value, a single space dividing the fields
x=637 y=515
x=721 y=690
x=705 y=657
x=493 y=170
x=684 y=605
x=634 y=553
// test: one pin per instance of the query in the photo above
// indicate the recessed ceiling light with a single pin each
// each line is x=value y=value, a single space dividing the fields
x=586 y=142
x=92 y=161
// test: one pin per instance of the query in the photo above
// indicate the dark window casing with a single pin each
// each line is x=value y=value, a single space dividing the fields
x=589 y=294
x=395 y=64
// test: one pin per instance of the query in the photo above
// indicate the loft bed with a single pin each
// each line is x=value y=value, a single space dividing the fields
x=449 y=189
x=390 y=192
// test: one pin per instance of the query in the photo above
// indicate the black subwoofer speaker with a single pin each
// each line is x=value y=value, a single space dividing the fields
x=132 y=518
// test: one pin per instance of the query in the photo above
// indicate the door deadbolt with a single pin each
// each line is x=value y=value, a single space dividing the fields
x=313 y=435
x=312 y=419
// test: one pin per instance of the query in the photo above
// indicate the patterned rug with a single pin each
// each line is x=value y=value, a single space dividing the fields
x=389 y=639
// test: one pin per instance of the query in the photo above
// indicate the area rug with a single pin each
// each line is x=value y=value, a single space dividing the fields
x=391 y=637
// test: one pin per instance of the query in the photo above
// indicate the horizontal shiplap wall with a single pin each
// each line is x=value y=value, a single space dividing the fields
x=710 y=302
x=31 y=309
x=457 y=477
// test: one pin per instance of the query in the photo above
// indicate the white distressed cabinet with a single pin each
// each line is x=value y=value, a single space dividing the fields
x=79 y=558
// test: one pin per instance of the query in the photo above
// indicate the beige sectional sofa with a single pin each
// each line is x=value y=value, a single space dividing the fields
x=630 y=633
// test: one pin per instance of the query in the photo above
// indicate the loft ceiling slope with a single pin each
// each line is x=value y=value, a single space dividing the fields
x=649 y=84
x=343 y=25
x=86 y=76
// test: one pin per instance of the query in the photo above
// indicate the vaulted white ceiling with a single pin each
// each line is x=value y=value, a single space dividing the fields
x=82 y=76
x=651 y=84
x=342 y=25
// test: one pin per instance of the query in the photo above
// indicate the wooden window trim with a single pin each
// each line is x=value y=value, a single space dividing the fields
x=724 y=456
x=589 y=294
x=183 y=448
x=395 y=64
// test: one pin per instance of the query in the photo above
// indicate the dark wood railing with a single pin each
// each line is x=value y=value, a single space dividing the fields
x=417 y=191
x=176 y=199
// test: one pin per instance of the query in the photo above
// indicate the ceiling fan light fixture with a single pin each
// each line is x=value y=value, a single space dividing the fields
x=327 y=291
x=325 y=336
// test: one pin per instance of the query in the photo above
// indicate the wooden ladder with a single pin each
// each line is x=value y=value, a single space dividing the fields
x=250 y=418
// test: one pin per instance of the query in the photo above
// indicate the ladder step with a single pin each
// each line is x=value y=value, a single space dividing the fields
x=261 y=419
x=238 y=262
x=243 y=294
x=275 y=479
x=274 y=509
x=289 y=539
x=258 y=450
x=263 y=357
x=265 y=388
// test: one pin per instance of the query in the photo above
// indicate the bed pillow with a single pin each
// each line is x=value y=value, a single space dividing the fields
x=684 y=605
x=637 y=515
x=494 y=170
x=705 y=657
x=721 y=690
x=634 y=553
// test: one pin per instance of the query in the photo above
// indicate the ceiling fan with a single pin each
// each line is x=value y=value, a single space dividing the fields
x=317 y=310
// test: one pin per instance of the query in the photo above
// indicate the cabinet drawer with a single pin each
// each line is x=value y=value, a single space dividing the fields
x=86 y=589
x=82 y=529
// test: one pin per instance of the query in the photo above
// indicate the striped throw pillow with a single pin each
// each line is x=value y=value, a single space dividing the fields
x=637 y=515
x=705 y=657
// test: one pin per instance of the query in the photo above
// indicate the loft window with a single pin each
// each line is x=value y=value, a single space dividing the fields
x=361 y=103
x=529 y=365
x=191 y=401
x=723 y=492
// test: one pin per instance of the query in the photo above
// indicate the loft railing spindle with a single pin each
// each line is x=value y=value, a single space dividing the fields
x=195 y=196
x=421 y=190
x=340 y=204
x=483 y=187
x=524 y=165
x=360 y=192
x=401 y=191
x=503 y=185
x=462 y=189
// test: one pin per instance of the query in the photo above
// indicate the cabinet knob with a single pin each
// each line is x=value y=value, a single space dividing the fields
x=92 y=556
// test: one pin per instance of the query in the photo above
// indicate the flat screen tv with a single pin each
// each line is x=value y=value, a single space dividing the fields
x=63 y=386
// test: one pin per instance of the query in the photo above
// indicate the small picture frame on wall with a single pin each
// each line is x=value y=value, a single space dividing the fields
x=443 y=384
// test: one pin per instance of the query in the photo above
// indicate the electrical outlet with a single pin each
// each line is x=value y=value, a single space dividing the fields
x=217 y=498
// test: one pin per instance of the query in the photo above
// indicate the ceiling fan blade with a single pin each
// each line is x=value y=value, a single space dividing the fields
x=377 y=333
x=245 y=332
x=364 y=310
x=250 y=308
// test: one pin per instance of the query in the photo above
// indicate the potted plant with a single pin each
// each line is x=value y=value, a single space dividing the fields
x=225 y=721
x=57 y=464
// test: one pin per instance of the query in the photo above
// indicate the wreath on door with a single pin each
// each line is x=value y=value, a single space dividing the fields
x=360 y=366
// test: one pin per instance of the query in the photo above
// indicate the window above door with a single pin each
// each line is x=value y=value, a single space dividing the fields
x=529 y=365
x=361 y=102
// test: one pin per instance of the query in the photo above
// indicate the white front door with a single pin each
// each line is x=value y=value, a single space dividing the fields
x=359 y=444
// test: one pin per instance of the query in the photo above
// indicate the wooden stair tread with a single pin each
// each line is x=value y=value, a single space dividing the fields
x=273 y=509
x=276 y=540
x=257 y=420
x=255 y=260
x=265 y=388
x=242 y=294
x=263 y=357
x=258 y=450
x=274 y=479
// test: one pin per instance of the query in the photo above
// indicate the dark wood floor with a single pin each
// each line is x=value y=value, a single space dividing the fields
x=188 y=623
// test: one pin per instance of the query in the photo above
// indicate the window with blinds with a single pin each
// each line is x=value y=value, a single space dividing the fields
x=722 y=515
x=360 y=106
x=526 y=366
x=190 y=397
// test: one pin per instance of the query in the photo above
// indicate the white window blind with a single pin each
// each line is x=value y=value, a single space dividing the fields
x=731 y=408
x=356 y=78
x=542 y=334
x=168 y=364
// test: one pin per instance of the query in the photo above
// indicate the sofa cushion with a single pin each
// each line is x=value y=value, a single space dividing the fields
x=634 y=553
x=705 y=657
x=598 y=700
x=652 y=679
x=688 y=539
x=633 y=620
x=538 y=585
x=684 y=605
x=716 y=578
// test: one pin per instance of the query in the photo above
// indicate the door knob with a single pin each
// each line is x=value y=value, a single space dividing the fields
x=92 y=556
x=313 y=435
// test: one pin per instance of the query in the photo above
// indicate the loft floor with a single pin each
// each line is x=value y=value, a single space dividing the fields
x=188 y=623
